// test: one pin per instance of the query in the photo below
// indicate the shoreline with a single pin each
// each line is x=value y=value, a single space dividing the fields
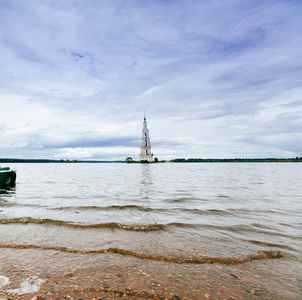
x=49 y=274
x=177 y=160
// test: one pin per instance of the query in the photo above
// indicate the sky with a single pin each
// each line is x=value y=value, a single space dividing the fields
x=217 y=79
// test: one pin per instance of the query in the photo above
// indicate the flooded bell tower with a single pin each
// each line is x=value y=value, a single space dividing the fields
x=145 y=146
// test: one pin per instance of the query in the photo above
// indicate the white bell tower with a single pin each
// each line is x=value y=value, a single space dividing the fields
x=145 y=146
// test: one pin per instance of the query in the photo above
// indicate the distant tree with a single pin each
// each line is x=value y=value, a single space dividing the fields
x=144 y=161
x=129 y=160
x=156 y=160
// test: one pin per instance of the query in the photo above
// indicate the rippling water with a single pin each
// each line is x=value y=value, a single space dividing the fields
x=221 y=213
x=217 y=210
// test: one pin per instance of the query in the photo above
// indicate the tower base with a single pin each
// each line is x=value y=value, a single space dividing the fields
x=148 y=158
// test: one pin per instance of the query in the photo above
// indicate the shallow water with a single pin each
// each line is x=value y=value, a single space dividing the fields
x=225 y=213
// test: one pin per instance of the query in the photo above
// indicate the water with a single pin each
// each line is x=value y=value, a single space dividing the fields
x=226 y=213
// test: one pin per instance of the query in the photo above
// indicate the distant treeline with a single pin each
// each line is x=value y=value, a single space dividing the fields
x=202 y=160
x=17 y=160
x=177 y=160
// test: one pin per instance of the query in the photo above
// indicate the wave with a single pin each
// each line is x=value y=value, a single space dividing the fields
x=267 y=244
x=260 y=255
x=181 y=199
x=124 y=208
x=236 y=229
x=140 y=208
x=156 y=210
x=146 y=209
x=105 y=208
x=112 y=225
x=131 y=227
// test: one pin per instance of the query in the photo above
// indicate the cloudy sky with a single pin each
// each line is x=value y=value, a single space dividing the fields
x=217 y=79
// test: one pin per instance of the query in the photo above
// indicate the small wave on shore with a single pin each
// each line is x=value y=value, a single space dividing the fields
x=260 y=255
x=131 y=227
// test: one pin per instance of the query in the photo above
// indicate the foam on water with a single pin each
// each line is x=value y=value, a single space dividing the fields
x=28 y=286
x=3 y=281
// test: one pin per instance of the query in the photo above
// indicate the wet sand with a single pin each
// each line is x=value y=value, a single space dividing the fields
x=51 y=274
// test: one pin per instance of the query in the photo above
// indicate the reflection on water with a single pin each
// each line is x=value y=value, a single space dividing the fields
x=146 y=180
x=146 y=189
x=8 y=191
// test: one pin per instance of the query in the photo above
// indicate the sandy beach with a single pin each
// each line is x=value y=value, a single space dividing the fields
x=49 y=274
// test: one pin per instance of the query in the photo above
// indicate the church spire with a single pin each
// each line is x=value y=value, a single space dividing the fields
x=145 y=144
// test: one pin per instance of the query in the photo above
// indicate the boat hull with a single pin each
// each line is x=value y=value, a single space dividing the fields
x=7 y=177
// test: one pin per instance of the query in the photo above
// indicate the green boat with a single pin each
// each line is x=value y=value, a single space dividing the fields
x=7 y=177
